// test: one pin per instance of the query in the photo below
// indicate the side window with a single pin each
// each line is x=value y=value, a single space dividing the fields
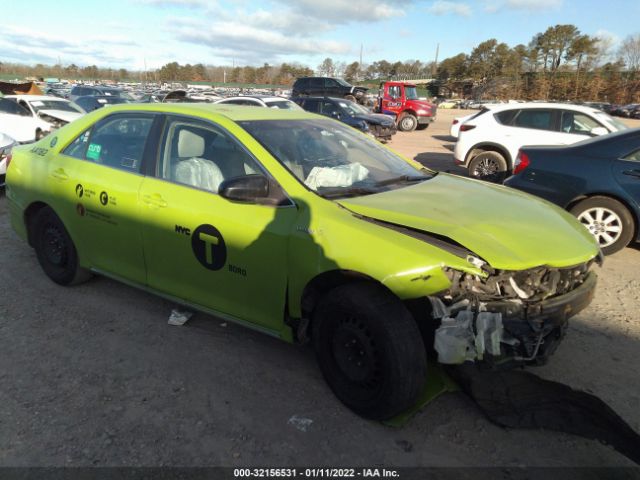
x=7 y=106
x=394 y=91
x=536 y=119
x=576 y=122
x=327 y=108
x=117 y=141
x=312 y=106
x=78 y=147
x=202 y=156
x=634 y=157
x=242 y=102
x=505 y=117
x=330 y=83
x=316 y=83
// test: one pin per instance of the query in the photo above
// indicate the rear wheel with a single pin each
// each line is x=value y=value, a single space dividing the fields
x=490 y=166
x=609 y=221
x=55 y=249
x=407 y=122
x=369 y=349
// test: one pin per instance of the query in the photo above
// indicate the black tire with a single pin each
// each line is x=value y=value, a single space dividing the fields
x=369 y=350
x=407 y=122
x=55 y=249
x=351 y=98
x=608 y=220
x=490 y=166
x=423 y=126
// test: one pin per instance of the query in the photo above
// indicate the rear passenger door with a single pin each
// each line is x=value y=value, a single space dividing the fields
x=534 y=126
x=99 y=175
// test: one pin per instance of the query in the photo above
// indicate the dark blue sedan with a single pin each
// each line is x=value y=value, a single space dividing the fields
x=597 y=180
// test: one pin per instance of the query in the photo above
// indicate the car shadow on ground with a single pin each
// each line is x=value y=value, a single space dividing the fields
x=442 y=162
x=445 y=138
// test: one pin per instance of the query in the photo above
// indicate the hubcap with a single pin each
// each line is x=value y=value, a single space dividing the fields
x=407 y=123
x=486 y=167
x=604 y=224
x=54 y=246
x=355 y=353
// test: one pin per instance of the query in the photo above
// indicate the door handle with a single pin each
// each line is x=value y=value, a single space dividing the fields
x=60 y=174
x=154 y=200
x=632 y=173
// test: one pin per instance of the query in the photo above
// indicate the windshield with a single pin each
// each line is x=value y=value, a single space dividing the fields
x=283 y=104
x=332 y=159
x=342 y=82
x=54 y=105
x=109 y=92
x=609 y=120
x=410 y=92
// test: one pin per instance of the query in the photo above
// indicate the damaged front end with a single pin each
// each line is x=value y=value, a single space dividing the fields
x=508 y=317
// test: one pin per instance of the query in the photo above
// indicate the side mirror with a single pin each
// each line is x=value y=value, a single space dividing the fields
x=247 y=188
x=597 y=131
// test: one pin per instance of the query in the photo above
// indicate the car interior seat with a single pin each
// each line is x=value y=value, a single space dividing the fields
x=191 y=168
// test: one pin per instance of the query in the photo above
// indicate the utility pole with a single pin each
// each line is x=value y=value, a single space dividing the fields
x=434 y=69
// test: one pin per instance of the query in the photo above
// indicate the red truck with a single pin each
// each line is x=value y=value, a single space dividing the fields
x=401 y=100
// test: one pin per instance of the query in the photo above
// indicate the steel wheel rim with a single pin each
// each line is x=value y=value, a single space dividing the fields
x=604 y=224
x=356 y=353
x=407 y=123
x=55 y=246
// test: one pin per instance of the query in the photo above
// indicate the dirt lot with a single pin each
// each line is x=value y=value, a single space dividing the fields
x=93 y=375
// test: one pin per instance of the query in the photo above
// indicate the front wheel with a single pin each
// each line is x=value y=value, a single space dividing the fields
x=423 y=126
x=407 y=122
x=351 y=98
x=609 y=221
x=55 y=250
x=369 y=350
x=490 y=166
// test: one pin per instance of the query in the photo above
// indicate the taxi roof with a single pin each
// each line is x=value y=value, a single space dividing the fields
x=236 y=113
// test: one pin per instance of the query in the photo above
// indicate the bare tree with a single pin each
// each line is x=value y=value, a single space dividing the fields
x=630 y=52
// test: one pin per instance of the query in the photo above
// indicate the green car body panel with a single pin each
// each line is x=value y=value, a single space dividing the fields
x=141 y=229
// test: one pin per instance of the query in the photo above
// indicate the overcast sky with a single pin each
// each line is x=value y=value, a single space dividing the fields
x=132 y=33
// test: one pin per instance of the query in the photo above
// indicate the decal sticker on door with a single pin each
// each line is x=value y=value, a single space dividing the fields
x=208 y=246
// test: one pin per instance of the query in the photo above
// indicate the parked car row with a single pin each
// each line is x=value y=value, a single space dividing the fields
x=588 y=162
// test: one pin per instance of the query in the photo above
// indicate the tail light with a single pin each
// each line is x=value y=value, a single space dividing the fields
x=466 y=128
x=456 y=121
x=522 y=161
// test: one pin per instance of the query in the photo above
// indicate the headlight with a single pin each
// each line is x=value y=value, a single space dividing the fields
x=55 y=122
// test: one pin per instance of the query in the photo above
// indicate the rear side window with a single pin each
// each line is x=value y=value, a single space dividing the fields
x=536 y=119
x=505 y=117
x=117 y=141
x=316 y=83
x=311 y=106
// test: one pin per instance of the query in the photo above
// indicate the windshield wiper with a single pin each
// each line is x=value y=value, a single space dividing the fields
x=400 y=179
x=346 y=192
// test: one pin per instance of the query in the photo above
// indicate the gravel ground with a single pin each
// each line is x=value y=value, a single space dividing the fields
x=94 y=376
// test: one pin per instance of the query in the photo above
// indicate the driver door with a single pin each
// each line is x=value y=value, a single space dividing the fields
x=230 y=257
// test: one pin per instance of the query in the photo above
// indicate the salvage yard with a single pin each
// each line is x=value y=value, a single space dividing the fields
x=93 y=376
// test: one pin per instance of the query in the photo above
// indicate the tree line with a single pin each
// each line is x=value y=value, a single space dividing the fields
x=560 y=63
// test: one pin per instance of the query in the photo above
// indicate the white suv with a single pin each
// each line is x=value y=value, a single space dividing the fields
x=488 y=142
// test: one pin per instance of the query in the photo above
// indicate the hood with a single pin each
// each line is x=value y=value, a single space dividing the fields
x=376 y=119
x=509 y=229
x=63 y=115
x=422 y=104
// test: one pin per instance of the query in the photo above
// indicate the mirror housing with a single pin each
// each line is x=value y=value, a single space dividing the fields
x=246 y=188
x=597 y=131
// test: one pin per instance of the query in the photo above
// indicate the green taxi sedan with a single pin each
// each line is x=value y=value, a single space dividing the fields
x=308 y=230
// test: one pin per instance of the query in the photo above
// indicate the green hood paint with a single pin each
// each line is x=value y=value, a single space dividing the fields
x=508 y=229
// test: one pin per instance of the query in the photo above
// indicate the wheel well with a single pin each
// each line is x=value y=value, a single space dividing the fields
x=477 y=149
x=577 y=200
x=321 y=284
x=410 y=112
x=29 y=215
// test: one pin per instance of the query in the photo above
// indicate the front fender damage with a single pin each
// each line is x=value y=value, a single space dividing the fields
x=508 y=317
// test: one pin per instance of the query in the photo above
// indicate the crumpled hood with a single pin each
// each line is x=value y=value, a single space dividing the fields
x=63 y=115
x=509 y=229
x=376 y=119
